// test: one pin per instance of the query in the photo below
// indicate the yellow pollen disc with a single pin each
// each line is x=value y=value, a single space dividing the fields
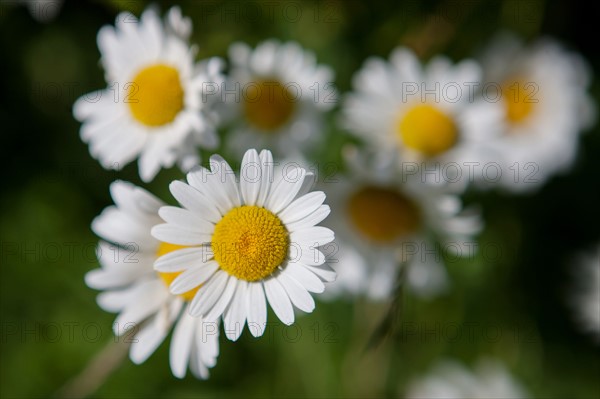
x=155 y=96
x=268 y=105
x=426 y=129
x=163 y=249
x=383 y=214
x=519 y=98
x=250 y=243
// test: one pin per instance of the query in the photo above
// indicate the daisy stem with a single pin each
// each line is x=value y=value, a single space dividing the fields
x=388 y=326
x=97 y=370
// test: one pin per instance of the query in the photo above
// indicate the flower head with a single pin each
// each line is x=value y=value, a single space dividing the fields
x=247 y=243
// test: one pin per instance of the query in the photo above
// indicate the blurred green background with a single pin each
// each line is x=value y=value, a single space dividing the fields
x=52 y=189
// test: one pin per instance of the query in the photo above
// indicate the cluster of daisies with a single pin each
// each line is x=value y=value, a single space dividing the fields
x=238 y=242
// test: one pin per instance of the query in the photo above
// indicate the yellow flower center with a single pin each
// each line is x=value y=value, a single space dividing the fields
x=519 y=98
x=426 y=129
x=250 y=243
x=268 y=105
x=163 y=249
x=383 y=214
x=155 y=96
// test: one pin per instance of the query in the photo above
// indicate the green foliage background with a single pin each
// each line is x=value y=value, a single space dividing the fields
x=52 y=189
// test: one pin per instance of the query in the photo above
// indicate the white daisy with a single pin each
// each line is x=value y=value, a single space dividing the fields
x=542 y=90
x=138 y=293
x=153 y=107
x=451 y=380
x=385 y=222
x=585 y=293
x=251 y=242
x=421 y=114
x=278 y=95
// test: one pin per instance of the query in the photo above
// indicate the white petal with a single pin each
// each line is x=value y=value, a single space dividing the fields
x=182 y=259
x=257 y=309
x=192 y=199
x=192 y=278
x=304 y=276
x=125 y=229
x=207 y=342
x=302 y=207
x=285 y=190
x=279 y=301
x=325 y=272
x=199 y=369
x=150 y=298
x=227 y=178
x=186 y=220
x=250 y=177
x=181 y=344
x=175 y=235
x=311 y=220
x=266 y=161
x=235 y=315
x=115 y=301
x=307 y=255
x=209 y=294
x=312 y=236
x=101 y=279
x=298 y=294
x=217 y=310
x=209 y=183
x=153 y=334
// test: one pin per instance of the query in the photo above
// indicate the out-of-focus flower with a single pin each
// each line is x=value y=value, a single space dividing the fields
x=138 y=293
x=277 y=94
x=385 y=221
x=154 y=105
x=421 y=114
x=249 y=242
x=43 y=10
x=542 y=90
x=585 y=293
x=451 y=380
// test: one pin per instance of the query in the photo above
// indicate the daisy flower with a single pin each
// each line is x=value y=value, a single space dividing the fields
x=138 y=293
x=421 y=114
x=153 y=106
x=385 y=222
x=451 y=380
x=280 y=96
x=542 y=91
x=249 y=243
x=585 y=293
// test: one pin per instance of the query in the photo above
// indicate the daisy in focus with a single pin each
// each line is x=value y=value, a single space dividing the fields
x=153 y=107
x=386 y=222
x=585 y=294
x=280 y=97
x=421 y=114
x=138 y=293
x=249 y=243
x=451 y=380
x=543 y=92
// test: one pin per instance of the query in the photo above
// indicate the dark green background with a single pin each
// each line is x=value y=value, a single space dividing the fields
x=52 y=189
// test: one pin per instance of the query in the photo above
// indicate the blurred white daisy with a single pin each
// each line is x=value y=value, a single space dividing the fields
x=585 y=293
x=251 y=242
x=421 y=114
x=542 y=90
x=278 y=95
x=385 y=222
x=138 y=293
x=153 y=107
x=42 y=10
x=451 y=380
